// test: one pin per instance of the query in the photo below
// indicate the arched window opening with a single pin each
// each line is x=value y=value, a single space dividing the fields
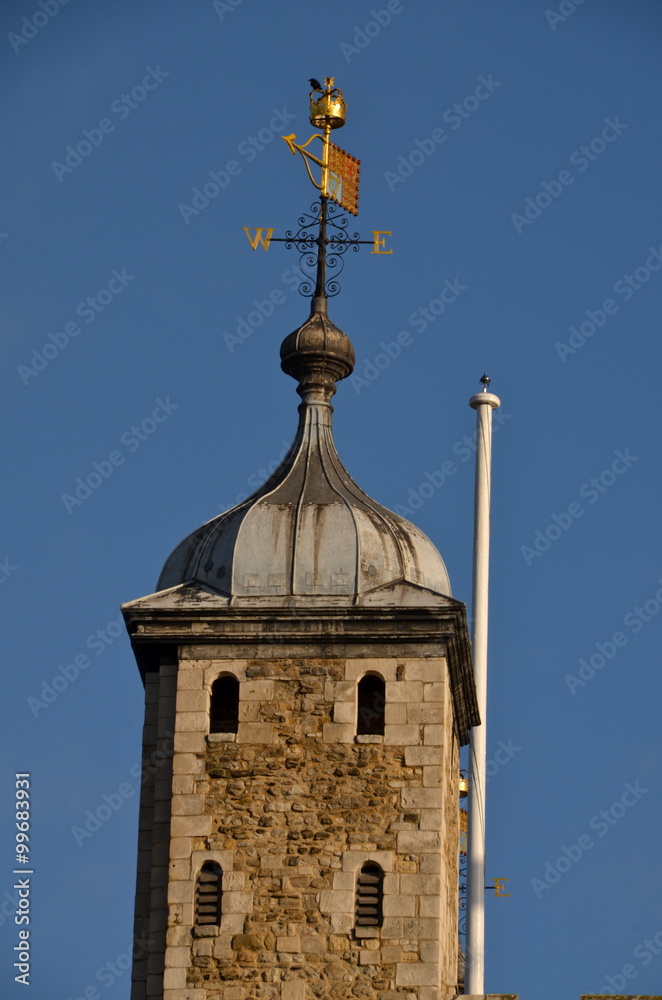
x=208 y=894
x=369 y=895
x=372 y=701
x=224 y=708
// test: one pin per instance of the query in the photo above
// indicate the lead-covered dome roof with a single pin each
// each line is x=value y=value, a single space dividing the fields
x=309 y=531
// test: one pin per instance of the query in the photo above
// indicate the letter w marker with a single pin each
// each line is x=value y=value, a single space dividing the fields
x=258 y=238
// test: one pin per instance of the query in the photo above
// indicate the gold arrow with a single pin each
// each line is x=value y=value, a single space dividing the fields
x=289 y=139
x=294 y=147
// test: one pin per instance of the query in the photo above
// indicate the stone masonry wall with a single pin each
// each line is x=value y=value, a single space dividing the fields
x=291 y=807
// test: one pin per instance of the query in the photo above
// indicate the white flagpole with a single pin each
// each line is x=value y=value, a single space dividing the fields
x=483 y=402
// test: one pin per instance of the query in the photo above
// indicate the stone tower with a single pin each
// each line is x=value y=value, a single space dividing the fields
x=308 y=685
x=307 y=688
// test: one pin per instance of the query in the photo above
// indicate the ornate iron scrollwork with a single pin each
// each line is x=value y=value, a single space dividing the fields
x=331 y=241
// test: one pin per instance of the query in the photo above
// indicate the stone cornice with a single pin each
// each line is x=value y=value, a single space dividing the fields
x=312 y=632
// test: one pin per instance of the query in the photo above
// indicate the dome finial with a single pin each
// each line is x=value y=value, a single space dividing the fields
x=318 y=355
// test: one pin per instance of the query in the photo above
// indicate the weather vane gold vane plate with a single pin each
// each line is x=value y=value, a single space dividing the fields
x=342 y=179
x=337 y=182
x=340 y=170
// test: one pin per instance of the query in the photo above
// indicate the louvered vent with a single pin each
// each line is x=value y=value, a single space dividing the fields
x=208 y=894
x=224 y=708
x=369 y=894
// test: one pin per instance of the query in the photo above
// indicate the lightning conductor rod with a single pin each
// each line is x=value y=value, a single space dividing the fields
x=483 y=403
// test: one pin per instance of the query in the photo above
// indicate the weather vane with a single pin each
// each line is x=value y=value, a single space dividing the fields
x=338 y=186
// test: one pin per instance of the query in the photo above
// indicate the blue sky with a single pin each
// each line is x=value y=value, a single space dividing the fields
x=513 y=151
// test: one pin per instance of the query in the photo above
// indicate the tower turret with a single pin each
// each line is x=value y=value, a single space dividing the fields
x=307 y=687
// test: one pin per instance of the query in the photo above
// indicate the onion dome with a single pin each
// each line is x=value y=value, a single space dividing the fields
x=310 y=532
